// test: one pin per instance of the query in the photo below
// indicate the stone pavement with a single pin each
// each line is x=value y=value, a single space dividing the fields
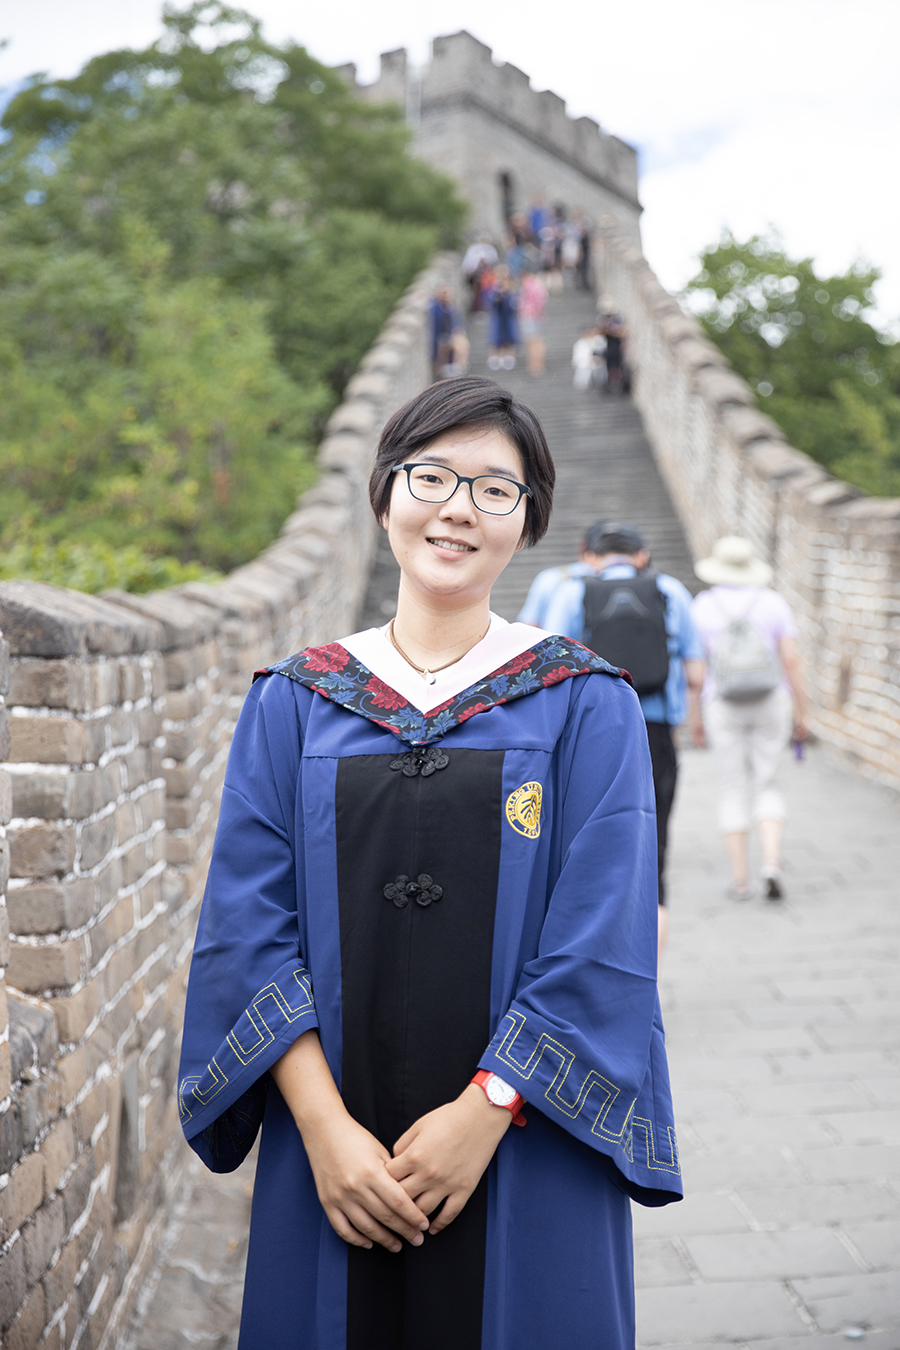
x=783 y=1029
x=783 y=1021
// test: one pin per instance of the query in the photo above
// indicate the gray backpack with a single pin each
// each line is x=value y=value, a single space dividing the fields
x=744 y=667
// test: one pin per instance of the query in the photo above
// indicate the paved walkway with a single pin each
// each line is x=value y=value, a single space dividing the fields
x=783 y=1021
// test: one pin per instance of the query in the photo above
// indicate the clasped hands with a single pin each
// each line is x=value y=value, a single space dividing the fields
x=371 y=1196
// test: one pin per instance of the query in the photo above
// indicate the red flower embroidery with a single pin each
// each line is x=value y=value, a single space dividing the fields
x=561 y=673
x=475 y=708
x=383 y=696
x=518 y=663
x=441 y=707
x=330 y=658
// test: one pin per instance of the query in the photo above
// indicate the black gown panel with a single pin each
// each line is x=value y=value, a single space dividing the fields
x=416 y=976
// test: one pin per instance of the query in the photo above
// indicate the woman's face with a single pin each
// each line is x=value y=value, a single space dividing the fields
x=449 y=551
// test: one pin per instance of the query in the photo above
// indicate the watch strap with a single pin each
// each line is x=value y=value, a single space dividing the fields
x=514 y=1107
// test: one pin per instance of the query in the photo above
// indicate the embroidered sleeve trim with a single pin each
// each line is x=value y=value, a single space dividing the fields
x=287 y=999
x=332 y=672
x=574 y=1092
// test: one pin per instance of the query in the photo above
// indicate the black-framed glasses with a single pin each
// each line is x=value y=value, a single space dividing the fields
x=491 y=493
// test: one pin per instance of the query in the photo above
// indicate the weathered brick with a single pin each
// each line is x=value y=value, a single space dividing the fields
x=6 y=797
x=125 y=823
x=96 y=838
x=90 y=1110
x=36 y=683
x=71 y=1070
x=5 y=734
x=11 y=1146
x=38 y=1104
x=58 y=1151
x=4 y=864
x=183 y=667
x=13 y=1285
x=134 y=682
x=42 y=1235
x=75 y=1012
x=5 y=1069
x=22 y=1194
x=59 y=1280
x=45 y=849
x=4 y=667
x=77 y=1189
x=33 y=1034
x=47 y=740
x=183 y=704
x=123 y=727
x=4 y=936
x=54 y=965
x=57 y=796
x=122 y=965
x=148 y=724
x=51 y=906
x=25 y=1331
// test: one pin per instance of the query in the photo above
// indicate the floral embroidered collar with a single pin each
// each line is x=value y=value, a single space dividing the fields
x=332 y=672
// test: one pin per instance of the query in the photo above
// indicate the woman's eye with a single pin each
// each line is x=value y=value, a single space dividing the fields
x=428 y=478
x=495 y=491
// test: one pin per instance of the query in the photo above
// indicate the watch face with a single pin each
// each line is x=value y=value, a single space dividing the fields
x=500 y=1093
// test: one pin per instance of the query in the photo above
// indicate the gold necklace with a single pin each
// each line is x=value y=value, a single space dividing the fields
x=427 y=673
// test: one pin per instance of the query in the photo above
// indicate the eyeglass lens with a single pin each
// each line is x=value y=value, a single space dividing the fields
x=431 y=483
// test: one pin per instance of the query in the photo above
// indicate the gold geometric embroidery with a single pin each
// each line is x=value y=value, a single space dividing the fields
x=523 y=809
x=593 y=1081
x=270 y=1000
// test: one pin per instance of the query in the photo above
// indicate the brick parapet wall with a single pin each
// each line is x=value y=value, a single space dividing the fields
x=116 y=713
x=835 y=551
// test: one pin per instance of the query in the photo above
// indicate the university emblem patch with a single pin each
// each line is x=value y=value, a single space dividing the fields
x=523 y=810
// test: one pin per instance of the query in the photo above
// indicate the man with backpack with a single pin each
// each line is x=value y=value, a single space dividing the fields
x=641 y=620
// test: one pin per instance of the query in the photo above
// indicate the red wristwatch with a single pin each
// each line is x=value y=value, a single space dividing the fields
x=501 y=1093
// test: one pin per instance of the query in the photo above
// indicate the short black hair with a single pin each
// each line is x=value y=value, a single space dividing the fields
x=468 y=401
x=613 y=536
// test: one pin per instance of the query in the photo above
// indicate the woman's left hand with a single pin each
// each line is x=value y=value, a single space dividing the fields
x=444 y=1155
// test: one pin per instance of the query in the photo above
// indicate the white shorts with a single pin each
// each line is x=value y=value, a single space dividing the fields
x=748 y=741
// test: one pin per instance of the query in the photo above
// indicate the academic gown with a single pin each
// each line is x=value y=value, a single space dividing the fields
x=468 y=887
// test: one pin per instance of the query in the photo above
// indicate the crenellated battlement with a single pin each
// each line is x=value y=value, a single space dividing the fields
x=481 y=121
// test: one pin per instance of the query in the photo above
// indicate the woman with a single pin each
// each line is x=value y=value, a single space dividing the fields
x=431 y=903
x=754 y=701
x=503 y=328
x=532 y=317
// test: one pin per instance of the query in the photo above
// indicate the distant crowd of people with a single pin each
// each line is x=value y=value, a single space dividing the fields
x=725 y=663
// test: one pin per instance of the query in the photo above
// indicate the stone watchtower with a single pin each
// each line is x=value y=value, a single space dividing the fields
x=505 y=143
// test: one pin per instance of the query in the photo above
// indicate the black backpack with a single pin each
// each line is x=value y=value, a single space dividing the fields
x=625 y=623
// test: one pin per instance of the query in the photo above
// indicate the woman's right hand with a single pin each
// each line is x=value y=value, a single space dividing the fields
x=363 y=1203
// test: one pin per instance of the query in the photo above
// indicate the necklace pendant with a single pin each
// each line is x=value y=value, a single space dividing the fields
x=428 y=676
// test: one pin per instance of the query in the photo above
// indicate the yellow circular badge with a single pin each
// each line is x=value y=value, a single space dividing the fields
x=523 y=810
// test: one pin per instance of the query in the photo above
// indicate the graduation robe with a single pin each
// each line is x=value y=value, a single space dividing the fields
x=470 y=888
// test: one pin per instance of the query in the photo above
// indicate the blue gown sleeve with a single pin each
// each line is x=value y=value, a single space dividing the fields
x=249 y=993
x=583 y=1038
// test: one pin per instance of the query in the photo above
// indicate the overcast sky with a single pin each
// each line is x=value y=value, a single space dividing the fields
x=746 y=112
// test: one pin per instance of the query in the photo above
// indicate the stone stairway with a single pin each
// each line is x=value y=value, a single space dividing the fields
x=604 y=465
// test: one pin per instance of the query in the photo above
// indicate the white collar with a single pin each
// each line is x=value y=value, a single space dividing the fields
x=500 y=644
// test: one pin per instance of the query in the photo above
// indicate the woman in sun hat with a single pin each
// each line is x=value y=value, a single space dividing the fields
x=754 y=701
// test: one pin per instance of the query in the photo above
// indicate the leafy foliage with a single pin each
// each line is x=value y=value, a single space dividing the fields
x=197 y=244
x=807 y=345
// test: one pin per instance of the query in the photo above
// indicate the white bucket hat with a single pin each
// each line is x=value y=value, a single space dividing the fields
x=733 y=563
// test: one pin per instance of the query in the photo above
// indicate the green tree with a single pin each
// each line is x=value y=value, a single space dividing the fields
x=808 y=346
x=197 y=243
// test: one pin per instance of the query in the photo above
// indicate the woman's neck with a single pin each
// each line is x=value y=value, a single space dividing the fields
x=433 y=636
